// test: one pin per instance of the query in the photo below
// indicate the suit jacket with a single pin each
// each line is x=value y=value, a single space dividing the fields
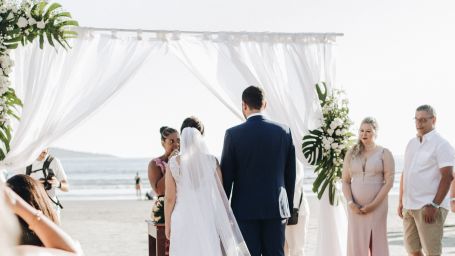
x=258 y=166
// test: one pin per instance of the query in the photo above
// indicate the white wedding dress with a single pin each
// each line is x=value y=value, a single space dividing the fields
x=202 y=222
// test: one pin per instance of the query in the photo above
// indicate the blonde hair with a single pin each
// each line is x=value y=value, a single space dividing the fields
x=9 y=227
x=358 y=148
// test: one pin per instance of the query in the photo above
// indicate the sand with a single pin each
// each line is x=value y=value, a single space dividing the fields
x=118 y=228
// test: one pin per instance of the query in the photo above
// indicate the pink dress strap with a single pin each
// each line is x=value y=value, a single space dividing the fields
x=160 y=163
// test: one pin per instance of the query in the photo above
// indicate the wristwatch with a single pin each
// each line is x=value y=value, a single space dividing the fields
x=434 y=205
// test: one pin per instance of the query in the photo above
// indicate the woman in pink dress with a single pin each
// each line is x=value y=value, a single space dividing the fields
x=170 y=140
x=368 y=174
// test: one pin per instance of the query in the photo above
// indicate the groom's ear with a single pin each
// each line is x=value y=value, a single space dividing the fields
x=244 y=106
x=264 y=105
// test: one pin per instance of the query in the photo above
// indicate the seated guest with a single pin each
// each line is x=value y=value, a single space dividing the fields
x=56 y=242
x=170 y=140
x=32 y=191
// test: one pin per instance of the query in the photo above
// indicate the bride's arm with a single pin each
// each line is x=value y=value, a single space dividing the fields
x=52 y=236
x=170 y=194
x=218 y=171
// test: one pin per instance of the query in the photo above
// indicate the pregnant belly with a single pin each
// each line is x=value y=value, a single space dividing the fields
x=365 y=193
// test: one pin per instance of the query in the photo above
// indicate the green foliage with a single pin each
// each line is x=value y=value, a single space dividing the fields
x=326 y=146
x=50 y=22
x=20 y=25
x=158 y=211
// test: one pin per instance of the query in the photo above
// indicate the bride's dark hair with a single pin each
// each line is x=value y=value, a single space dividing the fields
x=194 y=122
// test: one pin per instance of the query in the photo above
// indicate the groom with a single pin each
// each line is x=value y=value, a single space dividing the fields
x=258 y=165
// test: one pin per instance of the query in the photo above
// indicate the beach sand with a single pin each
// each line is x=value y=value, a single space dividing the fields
x=118 y=228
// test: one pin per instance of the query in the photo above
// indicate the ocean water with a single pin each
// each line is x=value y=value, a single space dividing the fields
x=104 y=178
x=113 y=178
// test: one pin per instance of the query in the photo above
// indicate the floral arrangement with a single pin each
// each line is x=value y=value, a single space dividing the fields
x=158 y=211
x=21 y=23
x=326 y=146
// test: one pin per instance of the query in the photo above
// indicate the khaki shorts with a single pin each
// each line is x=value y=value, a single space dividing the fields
x=420 y=235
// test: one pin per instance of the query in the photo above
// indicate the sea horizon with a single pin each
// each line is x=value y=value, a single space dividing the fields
x=107 y=177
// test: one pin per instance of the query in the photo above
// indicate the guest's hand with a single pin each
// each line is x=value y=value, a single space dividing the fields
x=367 y=208
x=429 y=213
x=54 y=182
x=355 y=208
x=400 y=210
x=174 y=153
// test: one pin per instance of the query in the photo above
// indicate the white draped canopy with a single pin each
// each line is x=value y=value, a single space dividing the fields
x=60 y=89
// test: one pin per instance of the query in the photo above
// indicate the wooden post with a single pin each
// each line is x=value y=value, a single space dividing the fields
x=158 y=244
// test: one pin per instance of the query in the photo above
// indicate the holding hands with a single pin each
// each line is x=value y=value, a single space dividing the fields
x=367 y=208
x=355 y=208
x=359 y=209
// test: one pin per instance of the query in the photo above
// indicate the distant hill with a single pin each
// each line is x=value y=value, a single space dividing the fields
x=65 y=153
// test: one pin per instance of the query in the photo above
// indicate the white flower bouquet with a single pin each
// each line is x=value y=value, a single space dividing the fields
x=326 y=146
x=158 y=211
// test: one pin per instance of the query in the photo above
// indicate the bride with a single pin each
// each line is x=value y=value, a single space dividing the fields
x=199 y=220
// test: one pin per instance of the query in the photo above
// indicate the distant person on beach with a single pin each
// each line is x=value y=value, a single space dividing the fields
x=368 y=173
x=48 y=170
x=55 y=240
x=198 y=217
x=170 y=140
x=34 y=194
x=137 y=180
x=425 y=182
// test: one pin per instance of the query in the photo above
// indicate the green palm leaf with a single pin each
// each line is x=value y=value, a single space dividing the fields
x=312 y=147
x=51 y=8
x=58 y=27
x=327 y=162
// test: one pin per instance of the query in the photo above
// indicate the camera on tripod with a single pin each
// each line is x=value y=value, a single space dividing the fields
x=47 y=184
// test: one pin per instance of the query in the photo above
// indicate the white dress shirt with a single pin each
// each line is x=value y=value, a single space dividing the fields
x=421 y=174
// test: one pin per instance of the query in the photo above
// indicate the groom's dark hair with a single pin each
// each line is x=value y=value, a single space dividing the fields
x=253 y=97
x=193 y=122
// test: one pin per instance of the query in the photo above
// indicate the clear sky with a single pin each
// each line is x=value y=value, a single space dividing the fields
x=394 y=56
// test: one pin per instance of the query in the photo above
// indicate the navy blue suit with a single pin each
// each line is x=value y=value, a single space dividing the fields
x=258 y=167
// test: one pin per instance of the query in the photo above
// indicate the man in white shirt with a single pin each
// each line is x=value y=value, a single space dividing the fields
x=55 y=173
x=424 y=186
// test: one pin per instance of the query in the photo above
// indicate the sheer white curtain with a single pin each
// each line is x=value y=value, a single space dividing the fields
x=287 y=67
x=62 y=88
